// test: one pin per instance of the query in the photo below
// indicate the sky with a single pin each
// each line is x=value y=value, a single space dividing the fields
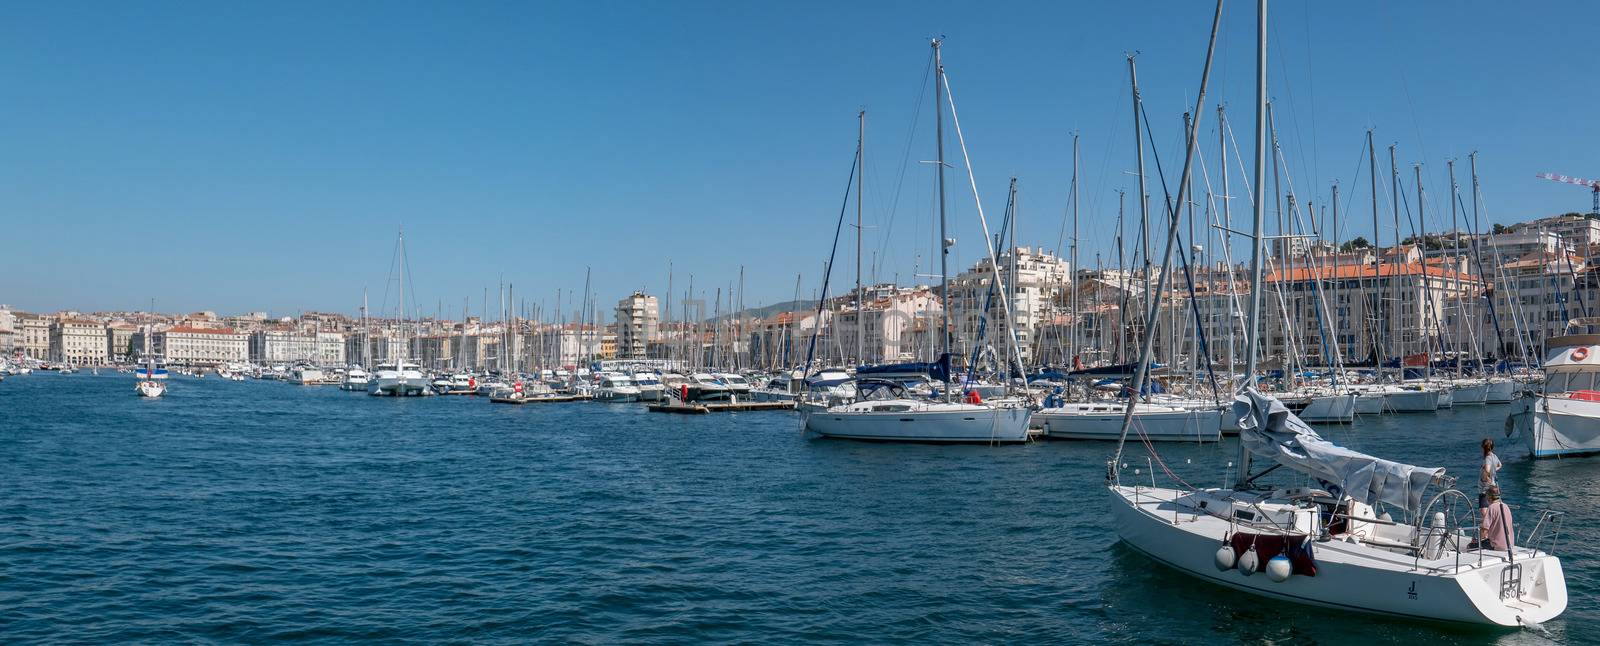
x=241 y=157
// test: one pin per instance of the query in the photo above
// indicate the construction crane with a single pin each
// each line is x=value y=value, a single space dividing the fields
x=1594 y=188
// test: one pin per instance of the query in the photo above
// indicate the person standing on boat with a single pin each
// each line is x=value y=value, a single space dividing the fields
x=1495 y=531
x=1487 y=472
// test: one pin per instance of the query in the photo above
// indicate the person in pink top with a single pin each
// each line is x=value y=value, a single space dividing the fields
x=1496 y=530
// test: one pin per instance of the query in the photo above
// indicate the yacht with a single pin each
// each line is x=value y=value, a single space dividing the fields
x=650 y=387
x=885 y=412
x=1102 y=420
x=616 y=387
x=151 y=388
x=402 y=379
x=703 y=387
x=307 y=376
x=783 y=387
x=738 y=386
x=355 y=379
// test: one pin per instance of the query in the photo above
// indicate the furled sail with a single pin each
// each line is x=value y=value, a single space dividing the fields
x=1269 y=430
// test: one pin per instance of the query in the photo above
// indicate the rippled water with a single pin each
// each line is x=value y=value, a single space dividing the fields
x=264 y=511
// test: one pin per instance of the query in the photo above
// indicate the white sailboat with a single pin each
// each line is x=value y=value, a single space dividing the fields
x=883 y=410
x=152 y=379
x=1328 y=546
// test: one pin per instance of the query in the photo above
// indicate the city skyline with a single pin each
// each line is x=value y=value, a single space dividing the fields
x=240 y=159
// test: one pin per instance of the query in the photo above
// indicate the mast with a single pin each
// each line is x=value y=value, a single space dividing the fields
x=1227 y=223
x=1422 y=277
x=1394 y=281
x=944 y=236
x=1072 y=264
x=399 y=364
x=1143 y=197
x=861 y=324
x=1259 y=216
x=1173 y=220
x=1375 y=318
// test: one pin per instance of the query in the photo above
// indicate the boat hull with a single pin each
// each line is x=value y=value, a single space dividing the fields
x=1558 y=427
x=1325 y=409
x=1369 y=403
x=1469 y=596
x=1411 y=401
x=1501 y=392
x=1161 y=426
x=948 y=424
x=1477 y=393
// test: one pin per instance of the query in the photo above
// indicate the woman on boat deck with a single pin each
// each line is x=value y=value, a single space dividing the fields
x=1496 y=530
x=1486 y=472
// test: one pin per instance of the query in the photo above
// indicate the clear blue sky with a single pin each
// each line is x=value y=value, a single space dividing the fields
x=260 y=156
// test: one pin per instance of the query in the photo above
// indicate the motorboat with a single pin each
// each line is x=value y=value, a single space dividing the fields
x=402 y=379
x=738 y=386
x=460 y=383
x=650 y=387
x=355 y=379
x=1563 y=417
x=307 y=376
x=616 y=387
x=885 y=412
x=784 y=387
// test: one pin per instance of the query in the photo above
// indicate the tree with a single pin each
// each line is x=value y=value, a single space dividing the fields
x=1358 y=243
x=1500 y=229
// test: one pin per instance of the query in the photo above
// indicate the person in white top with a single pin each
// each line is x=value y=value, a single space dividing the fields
x=1487 y=472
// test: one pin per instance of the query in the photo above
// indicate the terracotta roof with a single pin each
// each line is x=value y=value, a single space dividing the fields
x=200 y=330
x=1297 y=274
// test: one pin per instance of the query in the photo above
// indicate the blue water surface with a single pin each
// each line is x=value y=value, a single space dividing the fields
x=263 y=511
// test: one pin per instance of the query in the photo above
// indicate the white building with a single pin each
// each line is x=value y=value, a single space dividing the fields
x=78 y=342
x=1039 y=277
x=191 y=346
x=638 y=323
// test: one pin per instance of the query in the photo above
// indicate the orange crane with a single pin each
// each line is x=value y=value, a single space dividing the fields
x=1594 y=188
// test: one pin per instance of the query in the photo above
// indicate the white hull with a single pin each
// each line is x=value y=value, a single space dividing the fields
x=1104 y=422
x=149 y=388
x=1557 y=426
x=1472 y=393
x=1328 y=409
x=1501 y=391
x=616 y=395
x=1369 y=403
x=1411 y=401
x=399 y=385
x=917 y=421
x=1349 y=576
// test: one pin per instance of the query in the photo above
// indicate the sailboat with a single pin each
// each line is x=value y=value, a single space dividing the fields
x=1327 y=545
x=399 y=377
x=152 y=378
x=883 y=409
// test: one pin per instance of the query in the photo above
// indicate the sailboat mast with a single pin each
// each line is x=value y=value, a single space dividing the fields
x=402 y=359
x=861 y=152
x=944 y=237
x=1142 y=197
x=1072 y=264
x=1259 y=223
x=1376 y=316
x=1394 y=281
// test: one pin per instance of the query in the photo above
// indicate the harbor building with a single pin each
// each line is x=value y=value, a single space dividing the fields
x=638 y=323
x=35 y=339
x=78 y=342
x=119 y=341
x=886 y=316
x=192 y=346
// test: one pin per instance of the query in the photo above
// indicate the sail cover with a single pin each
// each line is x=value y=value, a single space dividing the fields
x=1269 y=430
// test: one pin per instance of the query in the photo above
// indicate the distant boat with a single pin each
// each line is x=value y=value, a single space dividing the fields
x=355 y=379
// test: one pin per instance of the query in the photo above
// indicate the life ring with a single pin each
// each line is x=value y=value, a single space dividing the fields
x=1580 y=354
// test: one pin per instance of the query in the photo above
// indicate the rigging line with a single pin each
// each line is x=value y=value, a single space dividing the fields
x=905 y=162
x=822 y=298
x=1175 y=210
x=972 y=179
